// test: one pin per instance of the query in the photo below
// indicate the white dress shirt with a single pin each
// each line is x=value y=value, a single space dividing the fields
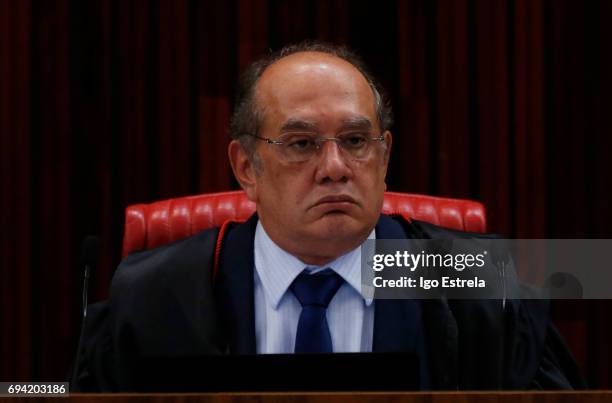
x=350 y=314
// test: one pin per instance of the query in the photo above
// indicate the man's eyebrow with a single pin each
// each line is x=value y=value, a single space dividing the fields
x=357 y=122
x=352 y=123
x=298 y=124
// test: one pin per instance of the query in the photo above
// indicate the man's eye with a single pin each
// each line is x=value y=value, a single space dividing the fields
x=303 y=143
x=354 y=140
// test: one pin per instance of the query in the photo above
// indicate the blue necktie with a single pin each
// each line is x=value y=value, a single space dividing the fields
x=314 y=291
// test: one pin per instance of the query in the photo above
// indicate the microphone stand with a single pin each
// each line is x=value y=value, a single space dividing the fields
x=89 y=255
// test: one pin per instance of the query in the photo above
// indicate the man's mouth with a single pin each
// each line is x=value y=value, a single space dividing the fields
x=335 y=203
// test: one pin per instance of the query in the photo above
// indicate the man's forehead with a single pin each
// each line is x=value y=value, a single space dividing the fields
x=310 y=68
x=298 y=82
x=353 y=122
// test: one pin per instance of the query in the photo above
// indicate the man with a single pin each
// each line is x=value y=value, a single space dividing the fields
x=311 y=148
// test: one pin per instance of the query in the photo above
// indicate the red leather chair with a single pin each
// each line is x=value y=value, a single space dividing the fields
x=155 y=224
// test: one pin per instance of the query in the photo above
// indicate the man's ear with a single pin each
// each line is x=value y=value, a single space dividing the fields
x=388 y=141
x=243 y=168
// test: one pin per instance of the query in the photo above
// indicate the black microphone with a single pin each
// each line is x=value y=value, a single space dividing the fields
x=90 y=252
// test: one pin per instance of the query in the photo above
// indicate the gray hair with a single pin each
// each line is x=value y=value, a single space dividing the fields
x=248 y=116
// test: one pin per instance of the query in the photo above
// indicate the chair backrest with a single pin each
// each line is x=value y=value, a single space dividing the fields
x=158 y=223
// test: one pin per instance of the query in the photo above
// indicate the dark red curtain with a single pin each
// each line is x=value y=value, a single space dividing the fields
x=108 y=103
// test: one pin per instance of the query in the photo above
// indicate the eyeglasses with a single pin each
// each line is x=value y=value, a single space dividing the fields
x=301 y=147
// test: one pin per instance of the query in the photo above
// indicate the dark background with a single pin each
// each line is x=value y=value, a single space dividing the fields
x=108 y=103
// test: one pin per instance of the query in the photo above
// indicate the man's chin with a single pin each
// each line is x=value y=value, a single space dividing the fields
x=333 y=218
x=339 y=226
x=330 y=237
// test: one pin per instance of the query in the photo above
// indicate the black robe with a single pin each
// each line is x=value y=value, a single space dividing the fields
x=169 y=302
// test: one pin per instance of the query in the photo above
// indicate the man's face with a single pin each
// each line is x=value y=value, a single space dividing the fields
x=324 y=207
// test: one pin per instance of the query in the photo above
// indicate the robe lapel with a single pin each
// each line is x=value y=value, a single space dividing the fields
x=234 y=288
x=426 y=328
x=395 y=326
x=395 y=321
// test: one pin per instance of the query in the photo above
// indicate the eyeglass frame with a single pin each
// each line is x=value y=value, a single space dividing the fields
x=318 y=141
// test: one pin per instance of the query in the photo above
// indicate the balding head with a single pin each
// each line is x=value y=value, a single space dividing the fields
x=248 y=114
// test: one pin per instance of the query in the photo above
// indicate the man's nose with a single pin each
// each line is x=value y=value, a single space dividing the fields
x=332 y=163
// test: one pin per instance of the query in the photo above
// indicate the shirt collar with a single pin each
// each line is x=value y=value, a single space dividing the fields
x=269 y=257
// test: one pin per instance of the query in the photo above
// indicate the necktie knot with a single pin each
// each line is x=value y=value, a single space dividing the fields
x=316 y=289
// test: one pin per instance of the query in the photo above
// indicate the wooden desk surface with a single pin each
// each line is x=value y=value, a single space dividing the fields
x=337 y=397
